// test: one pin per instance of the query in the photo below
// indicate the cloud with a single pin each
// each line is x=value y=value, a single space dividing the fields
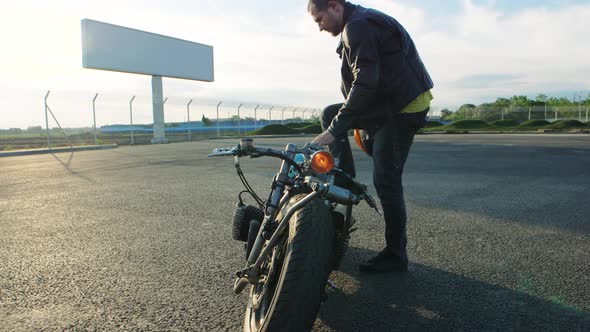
x=485 y=45
x=484 y=81
x=475 y=54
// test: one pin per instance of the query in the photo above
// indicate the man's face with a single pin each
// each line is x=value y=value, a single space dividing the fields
x=329 y=19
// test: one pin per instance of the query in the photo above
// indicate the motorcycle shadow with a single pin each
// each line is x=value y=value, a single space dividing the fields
x=427 y=298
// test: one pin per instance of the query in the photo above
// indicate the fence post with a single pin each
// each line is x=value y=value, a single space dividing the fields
x=270 y=115
x=47 y=120
x=131 y=118
x=255 y=117
x=545 y=111
x=587 y=113
x=283 y=116
x=188 y=118
x=218 y=117
x=94 y=116
x=239 y=119
x=580 y=106
x=556 y=109
x=530 y=113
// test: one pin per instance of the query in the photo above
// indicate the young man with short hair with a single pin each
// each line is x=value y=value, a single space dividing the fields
x=387 y=94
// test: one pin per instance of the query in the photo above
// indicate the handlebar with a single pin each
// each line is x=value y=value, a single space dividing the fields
x=246 y=148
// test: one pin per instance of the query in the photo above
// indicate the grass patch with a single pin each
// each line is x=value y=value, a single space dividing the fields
x=466 y=124
x=534 y=124
x=433 y=124
x=504 y=124
x=274 y=129
x=297 y=125
x=312 y=129
x=567 y=124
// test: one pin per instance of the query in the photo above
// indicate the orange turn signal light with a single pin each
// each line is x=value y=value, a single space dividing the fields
x=322 y=162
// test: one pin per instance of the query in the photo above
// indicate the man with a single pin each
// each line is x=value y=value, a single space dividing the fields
x=387 y=94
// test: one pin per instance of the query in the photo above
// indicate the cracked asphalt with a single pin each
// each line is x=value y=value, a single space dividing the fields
x=139 y=239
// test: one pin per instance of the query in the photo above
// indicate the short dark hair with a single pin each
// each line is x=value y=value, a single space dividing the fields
x=322 y=4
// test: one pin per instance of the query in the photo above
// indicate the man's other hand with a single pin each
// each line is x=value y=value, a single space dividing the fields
x=324 y=139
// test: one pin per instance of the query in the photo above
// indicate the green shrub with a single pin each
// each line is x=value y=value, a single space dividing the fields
x=297 y=125
x=534 y=124
x=504 y=123
x=274 y=129
x=565 y=124
x=467 y=124
x=433 y=124
x=312 y=129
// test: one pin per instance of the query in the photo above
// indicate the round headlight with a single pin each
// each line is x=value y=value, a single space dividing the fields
x=322 y=162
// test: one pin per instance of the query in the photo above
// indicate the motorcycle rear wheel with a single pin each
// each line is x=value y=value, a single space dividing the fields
x=298 y=271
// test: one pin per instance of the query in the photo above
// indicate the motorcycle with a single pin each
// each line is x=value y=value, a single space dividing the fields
x=295 y=238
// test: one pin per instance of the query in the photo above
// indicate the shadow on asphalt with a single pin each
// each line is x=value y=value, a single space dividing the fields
x=528 y=185
x=426 y=298
x=66 y=165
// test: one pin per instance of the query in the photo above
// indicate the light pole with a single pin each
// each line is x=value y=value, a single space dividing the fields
x=305 y=110
x=188 y=118
x=94 y=116
x=295 y=110
x=218 y=117
x=131 y=118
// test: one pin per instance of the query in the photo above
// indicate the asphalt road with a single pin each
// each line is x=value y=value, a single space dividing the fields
x=139 y=239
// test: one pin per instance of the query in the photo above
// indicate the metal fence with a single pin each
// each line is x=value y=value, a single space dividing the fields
x=74 y=118
x=521 y=114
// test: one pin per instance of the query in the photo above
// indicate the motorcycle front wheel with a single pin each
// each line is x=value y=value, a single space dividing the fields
x=289 y=296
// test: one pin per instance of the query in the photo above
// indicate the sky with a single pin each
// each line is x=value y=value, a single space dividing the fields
x=270 y=52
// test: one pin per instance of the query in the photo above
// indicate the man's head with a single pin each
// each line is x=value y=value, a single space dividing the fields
x=328 y=14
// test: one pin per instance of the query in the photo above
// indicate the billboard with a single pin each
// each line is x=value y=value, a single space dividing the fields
x=115 y=48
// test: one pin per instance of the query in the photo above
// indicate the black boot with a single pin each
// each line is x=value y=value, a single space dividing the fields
x=384 y=262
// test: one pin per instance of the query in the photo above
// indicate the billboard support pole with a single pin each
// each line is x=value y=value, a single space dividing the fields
x=158 y=110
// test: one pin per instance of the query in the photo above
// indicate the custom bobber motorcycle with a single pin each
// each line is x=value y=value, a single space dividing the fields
x=295 y=238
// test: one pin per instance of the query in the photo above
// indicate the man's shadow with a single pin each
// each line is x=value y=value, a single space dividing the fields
x=427 y=298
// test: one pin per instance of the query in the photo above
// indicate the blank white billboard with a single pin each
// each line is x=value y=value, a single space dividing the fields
x=115 y=48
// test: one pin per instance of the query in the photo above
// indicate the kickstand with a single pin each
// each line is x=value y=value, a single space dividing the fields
x=329 y=285
x=332 y=285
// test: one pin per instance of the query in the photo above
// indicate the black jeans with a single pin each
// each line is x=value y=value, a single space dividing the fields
x=392 y=140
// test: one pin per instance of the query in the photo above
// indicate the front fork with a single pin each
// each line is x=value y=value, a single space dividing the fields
x=276 y=200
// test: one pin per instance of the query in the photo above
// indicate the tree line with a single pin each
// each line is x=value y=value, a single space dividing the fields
x=509 y=107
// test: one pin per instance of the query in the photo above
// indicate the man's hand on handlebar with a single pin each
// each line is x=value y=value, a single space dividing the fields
x=323 y=139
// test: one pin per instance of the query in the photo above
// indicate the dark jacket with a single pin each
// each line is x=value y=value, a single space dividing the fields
x=381 y=69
